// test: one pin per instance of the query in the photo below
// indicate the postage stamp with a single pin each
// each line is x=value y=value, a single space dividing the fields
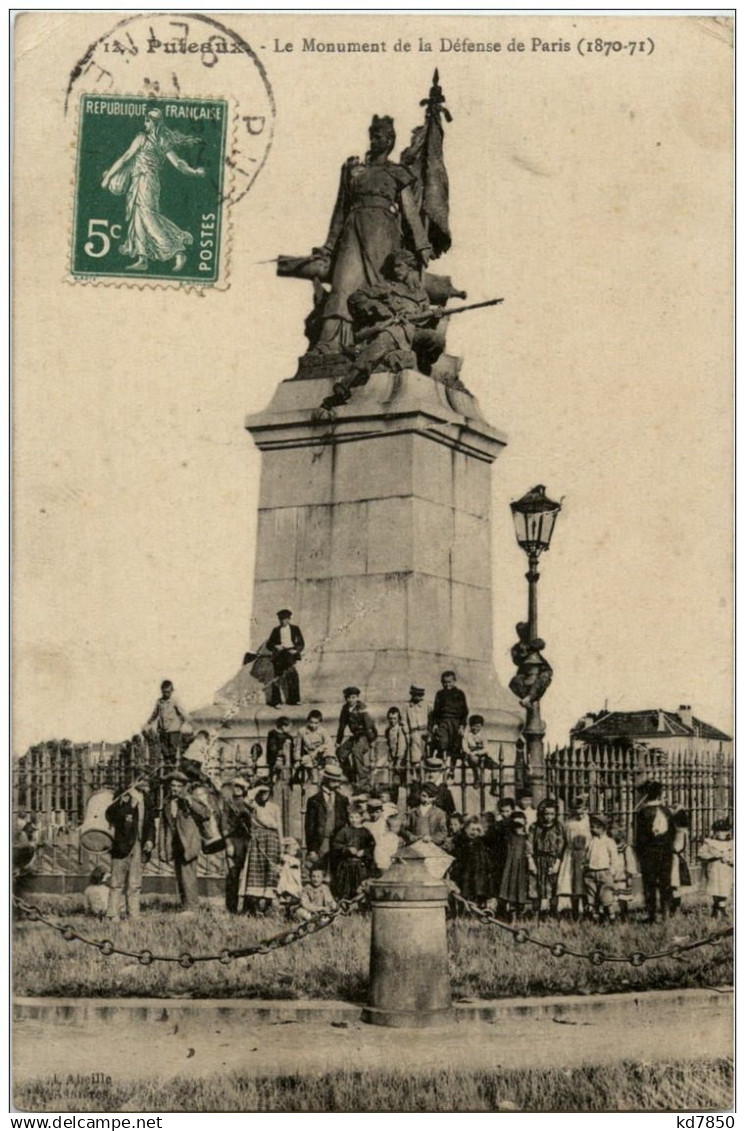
x=149 y=188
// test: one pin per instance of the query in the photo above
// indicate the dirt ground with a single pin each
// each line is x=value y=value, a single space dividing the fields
x=167 y=1042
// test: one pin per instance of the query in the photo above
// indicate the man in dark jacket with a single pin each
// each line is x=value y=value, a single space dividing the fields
x=286 y=646
x=449 y=718
x=180 y=837
x=236 y=829
x=133 y=826
x=326 y=812
x=655 y=833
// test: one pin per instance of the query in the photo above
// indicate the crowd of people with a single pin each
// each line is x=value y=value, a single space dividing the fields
x=360 y=808
x=522 y=861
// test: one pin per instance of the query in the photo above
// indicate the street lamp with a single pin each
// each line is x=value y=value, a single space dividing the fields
x=534 y=516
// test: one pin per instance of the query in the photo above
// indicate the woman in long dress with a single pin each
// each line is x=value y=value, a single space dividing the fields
x=261 y=870
x=150 y=234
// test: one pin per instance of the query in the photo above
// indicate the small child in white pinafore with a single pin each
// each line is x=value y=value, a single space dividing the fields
x=717 y=853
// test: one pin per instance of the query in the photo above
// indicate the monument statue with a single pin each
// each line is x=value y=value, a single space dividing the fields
x=380 y=308
x=377 y=530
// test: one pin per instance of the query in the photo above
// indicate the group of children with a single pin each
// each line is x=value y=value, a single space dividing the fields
x=525 y=861
x=445 y=729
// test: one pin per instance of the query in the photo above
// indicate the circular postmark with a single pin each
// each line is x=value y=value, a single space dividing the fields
x=175 y=56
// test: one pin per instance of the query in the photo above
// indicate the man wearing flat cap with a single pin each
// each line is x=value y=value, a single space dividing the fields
x=180 y=836
x=285 y=645
x=326 y=812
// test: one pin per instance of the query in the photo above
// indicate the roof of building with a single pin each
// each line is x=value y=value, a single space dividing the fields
x=655 y=723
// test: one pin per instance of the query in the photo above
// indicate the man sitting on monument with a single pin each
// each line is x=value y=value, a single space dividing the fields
x=394 y=325
x=286 y=644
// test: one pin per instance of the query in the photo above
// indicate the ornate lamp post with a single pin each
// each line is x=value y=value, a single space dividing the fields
x=534 y=516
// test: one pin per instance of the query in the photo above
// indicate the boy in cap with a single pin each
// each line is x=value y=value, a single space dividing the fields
x=286 y=645
x=449 y=718
x=434 y=772
x=416 y=724
x=601 y=868
x=355 y=753
x=279 y=744
x=168 y=717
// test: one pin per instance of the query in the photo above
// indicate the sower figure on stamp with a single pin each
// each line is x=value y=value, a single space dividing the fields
x=394 y=325
x=133 y=824
x=150 y=234
x=286 y=645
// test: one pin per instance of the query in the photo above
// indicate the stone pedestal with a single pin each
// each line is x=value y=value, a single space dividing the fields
x=409 y=974
x=375 y=530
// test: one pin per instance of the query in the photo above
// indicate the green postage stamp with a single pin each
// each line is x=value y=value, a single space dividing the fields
x=149 y=189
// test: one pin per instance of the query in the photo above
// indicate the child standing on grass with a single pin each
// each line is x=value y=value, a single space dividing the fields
x=513 y=885
x=547 y=844
x=680 y=875
x=315 y=896
x=471 y=869
x=290 y=880
x=571 y=884
x=601 y=866
x=97 y=893
x=717 y=853
x=626 y=870
x=352 y=849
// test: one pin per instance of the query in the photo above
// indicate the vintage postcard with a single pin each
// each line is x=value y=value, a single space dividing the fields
x=372 y=431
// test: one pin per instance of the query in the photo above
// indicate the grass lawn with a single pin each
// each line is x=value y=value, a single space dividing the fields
x=484 y=961
x=628 y=1086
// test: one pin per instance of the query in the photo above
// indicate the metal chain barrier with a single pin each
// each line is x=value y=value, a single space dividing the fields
x=597 y=957
x=318 y=922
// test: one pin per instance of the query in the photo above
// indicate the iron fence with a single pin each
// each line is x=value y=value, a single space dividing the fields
x=612 y=775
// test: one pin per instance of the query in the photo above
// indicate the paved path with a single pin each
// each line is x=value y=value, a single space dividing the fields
x=170 y=1038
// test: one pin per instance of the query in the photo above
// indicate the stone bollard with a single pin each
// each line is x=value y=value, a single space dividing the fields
x=409 y=976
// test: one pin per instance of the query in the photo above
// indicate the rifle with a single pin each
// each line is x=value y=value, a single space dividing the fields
x=369 y=332
x=456 y=310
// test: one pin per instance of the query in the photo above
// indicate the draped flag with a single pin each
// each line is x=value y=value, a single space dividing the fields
x=425 y=159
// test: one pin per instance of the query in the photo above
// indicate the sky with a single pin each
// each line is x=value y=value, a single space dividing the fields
x=594 y=195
